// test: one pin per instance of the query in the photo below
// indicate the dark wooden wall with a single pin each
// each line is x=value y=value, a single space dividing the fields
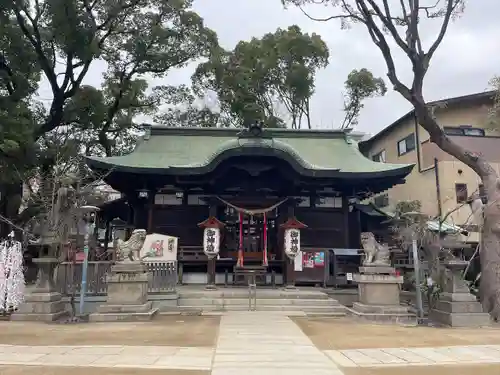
x=354 y=229
x=325 y=227
x=180 y=221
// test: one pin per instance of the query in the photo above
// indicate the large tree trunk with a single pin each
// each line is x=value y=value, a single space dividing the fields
x=10 y=202
x=490 y=248
x=490 y=252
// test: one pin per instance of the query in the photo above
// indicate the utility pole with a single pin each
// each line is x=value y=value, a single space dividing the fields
x=416 y=265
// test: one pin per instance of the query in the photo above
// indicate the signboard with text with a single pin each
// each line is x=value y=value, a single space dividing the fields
x=159 y=248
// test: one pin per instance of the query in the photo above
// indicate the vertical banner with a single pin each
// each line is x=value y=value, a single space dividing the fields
x=292 y=242
x=297 y=262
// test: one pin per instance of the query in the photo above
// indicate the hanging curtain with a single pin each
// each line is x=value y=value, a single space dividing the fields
x=240 y=249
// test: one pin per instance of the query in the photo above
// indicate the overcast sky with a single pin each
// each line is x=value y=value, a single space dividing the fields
x=465 y=62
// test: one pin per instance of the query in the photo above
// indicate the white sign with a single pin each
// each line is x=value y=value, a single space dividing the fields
x=211 y=242
x=159 y=247
x=292 y=242
x=349 y=276
x=297 y=262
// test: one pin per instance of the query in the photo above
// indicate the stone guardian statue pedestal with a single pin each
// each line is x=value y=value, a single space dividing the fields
x=378 y=285
x=127 y=285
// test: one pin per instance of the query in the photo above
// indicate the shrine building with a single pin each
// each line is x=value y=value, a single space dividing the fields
x=251 y=185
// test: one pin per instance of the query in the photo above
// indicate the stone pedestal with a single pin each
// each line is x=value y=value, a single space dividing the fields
x=456 y=306
x=43 y=303
x=378 y=291
x=127 y=295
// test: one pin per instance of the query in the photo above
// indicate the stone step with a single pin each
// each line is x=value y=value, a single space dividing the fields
x=260 y=301
x=261 y=294
x=328 y=310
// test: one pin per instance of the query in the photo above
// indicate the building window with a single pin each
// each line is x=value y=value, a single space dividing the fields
x=328 y=202
x=168 y=199
x=196 y=200
x=464 y=130
x=482 y=193
x=461 y=193
x=303 y=201
x=379 y=157
x=406 y=145
x=381 y=200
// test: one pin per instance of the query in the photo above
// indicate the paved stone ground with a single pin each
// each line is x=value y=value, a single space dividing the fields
x=250 y=343
x=262 y=343
x=59 y=370
x=147 y=357
x=451 y=355
x=427 y=370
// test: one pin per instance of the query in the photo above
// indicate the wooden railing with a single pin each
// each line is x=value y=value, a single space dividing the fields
x=68 y=278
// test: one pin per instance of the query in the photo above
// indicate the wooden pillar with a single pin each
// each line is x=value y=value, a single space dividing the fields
x=290 y=273
x=106 y=237
x=211 y=274
x=290 y=268
x=130 y=219
x=345 y=216
x=151 y=205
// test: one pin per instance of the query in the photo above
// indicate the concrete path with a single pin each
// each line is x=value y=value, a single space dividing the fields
x=451 y=355
x=255 y=343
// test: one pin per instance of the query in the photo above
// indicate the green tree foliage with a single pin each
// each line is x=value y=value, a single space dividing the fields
x=261 y=78
x=360 y=85
x=184 y=108
x=135 y=38
x=273 y=79
x=59 y=41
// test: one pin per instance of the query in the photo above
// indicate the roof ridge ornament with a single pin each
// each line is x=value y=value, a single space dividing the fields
x=253 y=130
x=147 y=131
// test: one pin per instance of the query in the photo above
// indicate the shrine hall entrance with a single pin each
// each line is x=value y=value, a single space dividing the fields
x=255 y=234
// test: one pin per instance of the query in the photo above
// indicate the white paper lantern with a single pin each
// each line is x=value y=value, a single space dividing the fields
x=211 y=242
x=292 y=242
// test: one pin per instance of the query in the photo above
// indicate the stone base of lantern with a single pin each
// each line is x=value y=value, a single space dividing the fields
x=456 y=306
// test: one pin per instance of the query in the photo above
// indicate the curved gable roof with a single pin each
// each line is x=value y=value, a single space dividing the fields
x=317 y=153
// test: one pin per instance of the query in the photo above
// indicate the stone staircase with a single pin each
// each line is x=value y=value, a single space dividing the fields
x=291 y=302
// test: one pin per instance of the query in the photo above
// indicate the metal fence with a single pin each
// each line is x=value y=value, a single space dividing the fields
x=68 y=277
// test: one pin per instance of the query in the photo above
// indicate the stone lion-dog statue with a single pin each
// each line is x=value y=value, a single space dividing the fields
x=375 y=254
x=129 y=251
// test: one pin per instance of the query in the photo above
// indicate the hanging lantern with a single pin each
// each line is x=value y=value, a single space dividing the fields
x=211 y=242
x=292 y=242
x=292 y=229
x=211 y=236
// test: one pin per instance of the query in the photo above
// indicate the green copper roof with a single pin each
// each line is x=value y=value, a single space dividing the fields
x=199 y=150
